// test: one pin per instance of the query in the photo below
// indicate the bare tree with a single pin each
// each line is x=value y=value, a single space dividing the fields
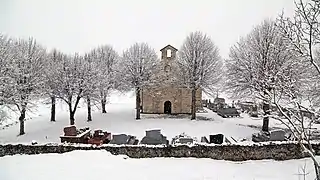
x=6 y=68
x=92 y=81
x=105 y=59
x=138 y=63
x=258 y=63
x=28 y=75
x=300 y=126
x=7 y=83
x=200 y=65
x=52 y=85
x=74 y=83
x=303 y=31
x=303 y=34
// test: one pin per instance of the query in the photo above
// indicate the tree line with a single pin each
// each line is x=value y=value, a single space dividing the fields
x=30 y=72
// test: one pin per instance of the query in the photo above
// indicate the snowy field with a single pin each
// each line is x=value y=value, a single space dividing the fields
x=121 y=119
x=86 y=165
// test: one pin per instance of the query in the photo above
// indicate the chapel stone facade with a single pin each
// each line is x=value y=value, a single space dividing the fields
x=167 y=97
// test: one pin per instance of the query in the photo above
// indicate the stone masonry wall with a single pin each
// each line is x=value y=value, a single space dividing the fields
x=153 y=99
x=180 y=98
x=220 y=152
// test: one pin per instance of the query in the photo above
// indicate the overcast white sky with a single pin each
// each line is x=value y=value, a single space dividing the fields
x=80 y=25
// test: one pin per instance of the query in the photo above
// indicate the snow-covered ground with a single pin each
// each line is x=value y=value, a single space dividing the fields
x=9 y=115
x=84 y=165
x=121 y=119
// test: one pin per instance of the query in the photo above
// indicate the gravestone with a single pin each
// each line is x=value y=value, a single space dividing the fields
x=131 y=140
x=156 y=134
x=182 y=139
x=260 y=137
x=204 y=139
x=185 y=140
x=227 y=140
x=277 y=135
x=119 y=139
x=314 y=134
x=230 y=140
x=70 y=131
x=216 y=139
x=136 y=142
x=154 y=137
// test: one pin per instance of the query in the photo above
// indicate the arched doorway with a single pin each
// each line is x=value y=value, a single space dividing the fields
x=167 y=107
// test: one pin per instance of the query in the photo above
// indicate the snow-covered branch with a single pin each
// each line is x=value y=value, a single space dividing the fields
x=261 y=62
x=200 y=65
x=138 y=63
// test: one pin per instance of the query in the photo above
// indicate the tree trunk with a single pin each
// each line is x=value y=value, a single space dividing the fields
x=89 y=109
x=72 y=120
x=71 y=114
x=53 y=109
x=103 y=104
x=193 y=104
x=22 y=119
x=266 y=111
x=317 y=170
x=141 y=101
x=137 y=103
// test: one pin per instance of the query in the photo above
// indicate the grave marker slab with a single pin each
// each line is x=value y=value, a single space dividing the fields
x=277 y=135
x=183 y=139
x=70 y=131
x=216 y=139
x=154 y=137
x=204 y=139
x=155 y=134
x=119 y=139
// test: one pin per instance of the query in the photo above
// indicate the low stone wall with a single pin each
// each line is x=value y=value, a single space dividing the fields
x=221 y=152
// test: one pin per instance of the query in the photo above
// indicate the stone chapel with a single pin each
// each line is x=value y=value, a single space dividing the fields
x=167 y=97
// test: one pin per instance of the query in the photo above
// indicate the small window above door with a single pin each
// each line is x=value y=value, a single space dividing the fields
x=169 y=53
